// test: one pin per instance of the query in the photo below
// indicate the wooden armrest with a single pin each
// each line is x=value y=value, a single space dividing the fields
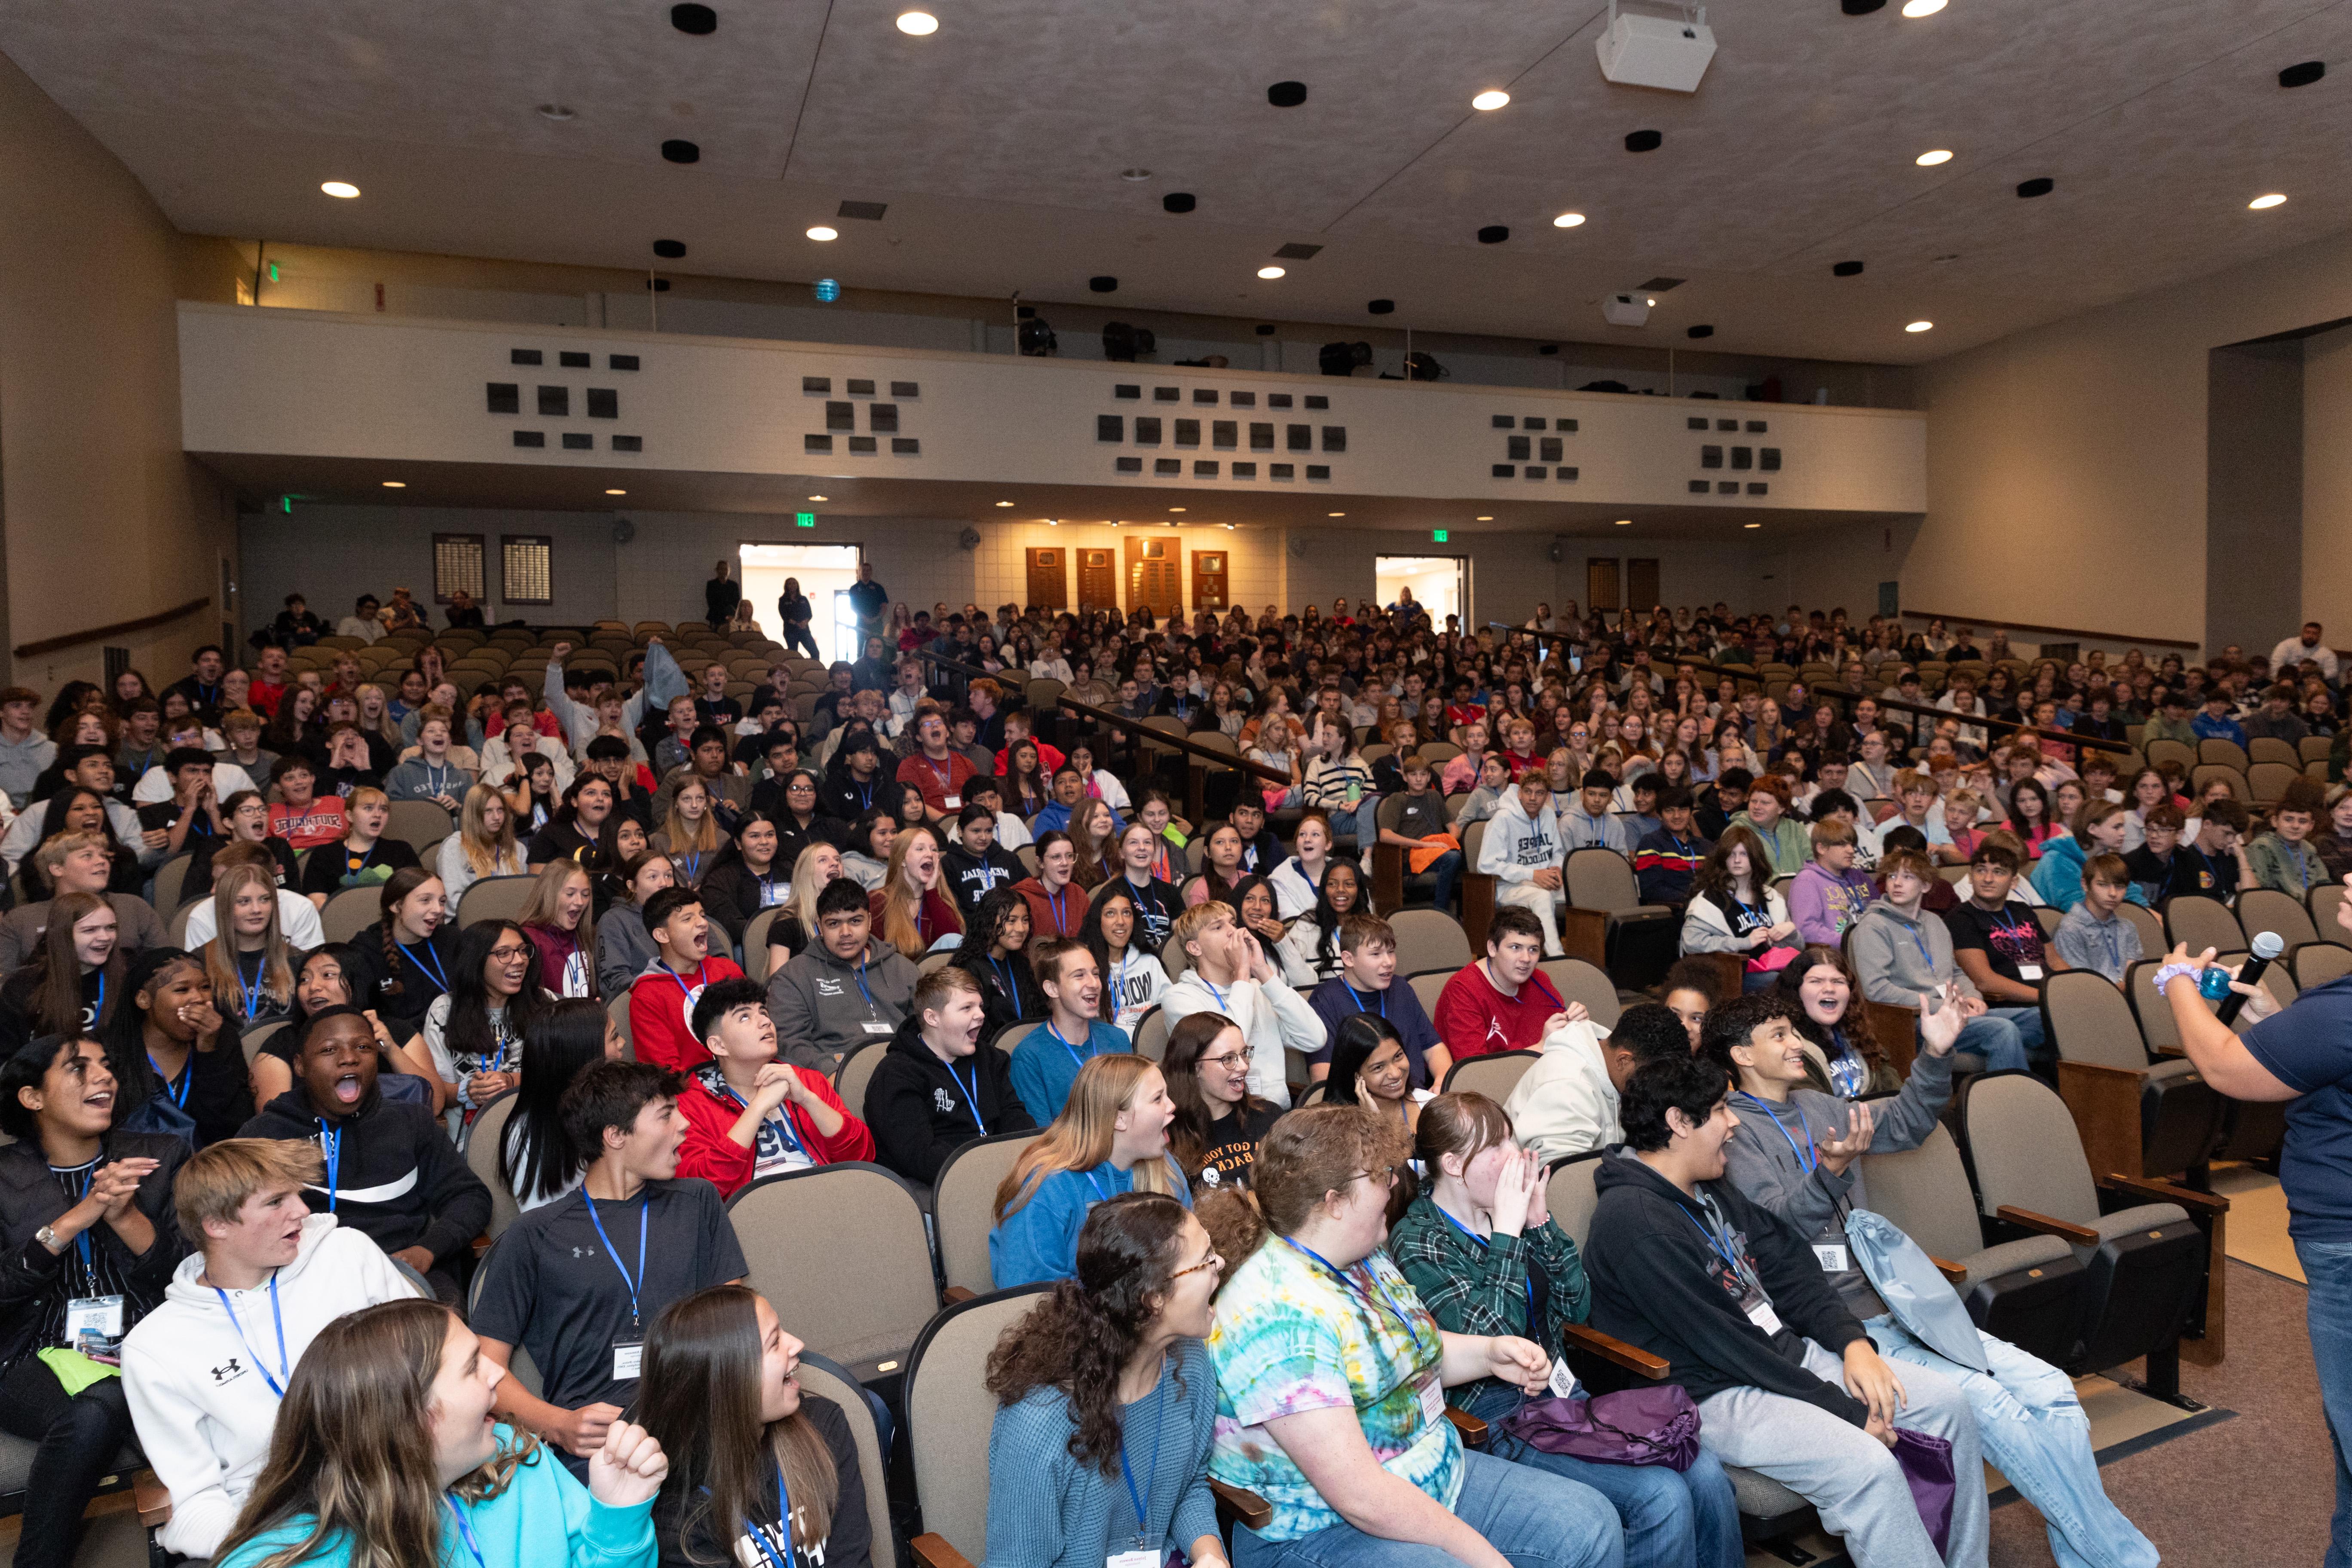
x=2157 y=1192
x=1953 y=1273
x=1616 y=1351
x=1243 y=1508
x=933 y=1551
x=152 y=1498
x=1472 y=1430
x=954 y=1294
x=2077 y=1234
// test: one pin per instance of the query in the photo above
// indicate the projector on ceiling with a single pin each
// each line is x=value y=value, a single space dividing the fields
x=1664 y=52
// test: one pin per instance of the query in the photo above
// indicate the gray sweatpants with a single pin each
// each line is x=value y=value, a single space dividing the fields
x=1850 y=1475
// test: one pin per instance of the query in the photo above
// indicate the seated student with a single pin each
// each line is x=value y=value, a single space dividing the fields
x=1900 y=952
x=935 y=1089
x=475 y=1030
x=392 y=1408
x=1049 y=1057
x=63 y=989
x=1668 y=860
x=205 y=1370
x=1735 y=907
x=1524 y=853
x=845 y=989
x=2151 y=865
x=1566 y=1102
x=410 y=1190
x=1111 y=1137
x=401 y=961
x=661 y=1002
x=86 y=1211
x=322 y=978
x=2095 y=935
x=569 y=1283
x=1369 y=1068
x=2098 y=828
x=366 y=857
x=1057 y=906
x=1787 y=845
x=749 y=878
x=77 y=863
x=975 y=865
x=298 y=917
x=434 y=774
x=1423 y=831
x=1230 y=973
x=485 y=844
x=1685 y=1266
x=1820 y=988
x=738 y=1428
x=582 y=828
x=559 y=921
x=1486 y=1257
x=748 y=1115
x=1309 y=951
x=1132 y=1314
x=537 y=1161
x=1998 y=945
x=1830 y=894
x=248 y=815
x=2284 y=859
x=1133 y=977
x=249 y=960
x=1218 y=1123
x=1367 y=984
x=995 y=949
x=1500 y=1002
x=1327 y=1367
x=1795 y=1157
x=1260 y=850
x=1586 y=820
x=173 y=1047
x=305 y=819
x=1141 y=851
x=624 y=949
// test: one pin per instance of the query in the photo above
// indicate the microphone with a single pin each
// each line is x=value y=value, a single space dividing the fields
x=2267 y=945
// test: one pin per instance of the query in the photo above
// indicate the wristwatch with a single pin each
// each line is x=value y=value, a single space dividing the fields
x=49 y=1238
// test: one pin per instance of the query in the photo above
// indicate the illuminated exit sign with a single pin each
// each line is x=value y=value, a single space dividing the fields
x=805 y=519
x=1437 y=535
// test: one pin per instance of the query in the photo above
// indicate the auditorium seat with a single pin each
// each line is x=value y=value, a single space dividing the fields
x=842 y=1253
x=964 y=1206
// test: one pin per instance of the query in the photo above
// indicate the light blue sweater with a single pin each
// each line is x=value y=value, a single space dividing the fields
x=1045 y=1066
x=1039 y=1240
x=1046 y=1511
x=545 y=1519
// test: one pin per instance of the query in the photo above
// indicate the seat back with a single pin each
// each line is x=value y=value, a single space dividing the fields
x=1428 y=988
x=2218 y=752
x=419 y=823
x=253 y=1039
x=497 y=899
x=1924 y=1192
x=1429 y=938
x=2022 y=1142
x=1493 y=1075
x=2318 y=963
x=949 y=1413
x=617 y=1010
x=1152 y=1034
x=1013 y=1034
x=1570 y=1195
x=2087 y=1019
x=856 y=1071
x=170 y=878
x=2267 y=908
x=1602 y=878
x=2204 y=774
x=2047 y=919
x=2202 y=923
x=755 y=943
x=964 y=1206
x=877 y=1288
x=2155 y=1014
x=1577 y=981
x=2266 y=780
x=2149 y=925
x=350 y=913
x=2160 y=751
x=2324 y=901
x=482 y=1140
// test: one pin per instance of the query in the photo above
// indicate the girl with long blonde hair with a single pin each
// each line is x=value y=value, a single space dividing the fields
x=911 y=907
x=484 y=844
x=1111 y=1137
x=246 y=960
x=560 y=918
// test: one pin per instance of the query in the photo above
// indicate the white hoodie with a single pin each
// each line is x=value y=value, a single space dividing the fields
x=1514 y=848
x=1565 y=1104
x=202 y=1408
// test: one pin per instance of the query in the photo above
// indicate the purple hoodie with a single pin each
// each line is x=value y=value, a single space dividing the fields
x=1823 y=903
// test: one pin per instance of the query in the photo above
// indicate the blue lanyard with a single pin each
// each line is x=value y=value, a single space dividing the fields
x=862 y=991
x=1719 y=1246
x=1057 y=902
x=1135 y=1495
x=1535 y=1330
x=1808 y=1157
x=693 y=865
x=644 y=1208
x=285 y=1367
x=1220 y=996
x=1100 y=1195
x=331 y=1142
x=466 y=1531
x=783 y=1116
x=1398 y=1312
x=1925 y=956
x=1004 y=976
x=783 y=1528
x=1359 y=1001
x=701 y=978
x=970 y=1095
x=179 y=1096
x=429 y=964
x=1076 y=1059
x=252 y=994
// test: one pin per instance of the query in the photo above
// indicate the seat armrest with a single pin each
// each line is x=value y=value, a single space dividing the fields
x=1616 y=1351
x=152 y=1498
x=1472 y=1430
x=2149 y=1190
x=1953 y=1273
x=1237 y=1506
x=2026 y=1219
x=956 y=1294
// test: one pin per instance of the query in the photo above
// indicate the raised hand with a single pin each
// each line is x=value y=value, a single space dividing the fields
x=629 y=1469
x=1940 y=1019
x=1837 y=1153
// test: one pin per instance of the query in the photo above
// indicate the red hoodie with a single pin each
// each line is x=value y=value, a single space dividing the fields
x=726 y=1164
x=661 y=1007
x=1475 y=1019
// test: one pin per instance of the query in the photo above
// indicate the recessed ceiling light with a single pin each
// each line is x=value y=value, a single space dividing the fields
x=1335 y=514
x=1914 y=9
x=1053 y=522
x=395 y=484
x=617 y=492
x=1175 y=509
x=1483 y=517
x=1930 y=159
x=342 y=188
x=1135 y=176
x=555 y=112
x=829 y=497
x=821 y=234
x=2263 y=204
x=1919 y=327
x=1269 y=272
x=917 y=24
x=1493 y=98
x=1568 y=220
x=1625 y=522
x=1230 y=526
x=1004 y=503
x=1751 y=525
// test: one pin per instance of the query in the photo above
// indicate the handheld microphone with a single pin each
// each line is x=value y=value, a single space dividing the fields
x=2267 y=945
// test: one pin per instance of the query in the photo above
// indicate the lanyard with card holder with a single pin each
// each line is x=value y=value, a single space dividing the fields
x=1754 y=1304
x=93 y=1321
x=1143 y=1552
x=1831 y=1256
x=628 y=1355
x=875 y=1024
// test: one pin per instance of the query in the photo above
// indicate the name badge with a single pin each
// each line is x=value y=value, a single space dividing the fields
x=1432 y=1400
x=93 y=1317
x=1141 y=1557
x=2029 y=972
x=1563 y=1382
x=1760 y=1314
x=875 y=1027
x=629 y=1358
x=951 y=801
x=1832 y=1256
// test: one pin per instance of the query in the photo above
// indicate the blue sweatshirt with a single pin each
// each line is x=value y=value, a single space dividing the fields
x=1045 y=1065
x=1039 y=1240
x=545 y=1519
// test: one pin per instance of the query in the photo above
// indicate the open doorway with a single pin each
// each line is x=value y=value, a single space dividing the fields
x=1440 y=584
x=824 y=572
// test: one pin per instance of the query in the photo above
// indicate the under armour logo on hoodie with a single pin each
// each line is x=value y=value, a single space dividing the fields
x=228 y=1374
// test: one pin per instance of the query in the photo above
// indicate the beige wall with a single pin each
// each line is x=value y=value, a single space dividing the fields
x=105 y=520
x=2328 y=482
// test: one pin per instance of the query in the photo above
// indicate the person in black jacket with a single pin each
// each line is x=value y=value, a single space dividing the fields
x=995 y=953
x=411 y=1192
x=790 y=802
x=172 y=1045
x=753 y=877
x=937 y=1088
x=1786 y=1380
x=88 y=1242
x=402 y=961
x=976 y=866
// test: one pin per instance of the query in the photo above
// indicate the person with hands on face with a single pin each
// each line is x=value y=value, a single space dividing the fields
x=749 y=1115
x=1230 y=973
x=1786 y=1382
x=172 y=1045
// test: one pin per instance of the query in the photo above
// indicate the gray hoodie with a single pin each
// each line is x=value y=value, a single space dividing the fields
x=826 y=1007
x=623 y=948
x=1898 y=956
x=1765 y=1166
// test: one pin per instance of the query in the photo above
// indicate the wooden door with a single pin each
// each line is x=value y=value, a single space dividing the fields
x=1640 y=586
x=1155 y=574
x=1049 y=576
x=1601 y=584
x=1209 y=580
x=1097 y=581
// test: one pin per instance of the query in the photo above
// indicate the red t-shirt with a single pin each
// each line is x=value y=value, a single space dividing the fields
x=941 y=783
x=265 y=697
x=1475 y=1019
x=661 y=1014
x=321 y=822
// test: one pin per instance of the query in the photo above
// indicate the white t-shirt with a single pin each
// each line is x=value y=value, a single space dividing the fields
x=1134 y=983
x=297 y=923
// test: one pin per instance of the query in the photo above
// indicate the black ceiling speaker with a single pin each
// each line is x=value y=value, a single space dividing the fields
x=1644 y=140
x=1178 y=202
x=1103 y=285
x=698 y=20
x=1702 y=331
x=2303 y=74
x=1494 y=233
x=1122 y=341
x=670 y=249
x=679 y=150
x=1381 y=307
x=2041 y=186
x=1860 y=7
x=1287 y=94
x=1265 y=329
x=1846 y=269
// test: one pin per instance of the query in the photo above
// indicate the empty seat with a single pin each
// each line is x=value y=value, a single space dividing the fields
x=497 y=899
x=2267 y=908
x=949 y=1413
x=1607 y=922
x=419 y=824
x=856 y=1071
x=2321 y=962
x=877 y=1288
x=2202 y=923
x=1577 y=980
x=1429 y=938
x=2134 y=1116
x=964 y=1206
x=1493 y=1075
x=1428 y=988
x=350 y=913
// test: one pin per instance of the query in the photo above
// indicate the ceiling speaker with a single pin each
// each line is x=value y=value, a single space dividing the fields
x=1299 y=546
x=968 y=539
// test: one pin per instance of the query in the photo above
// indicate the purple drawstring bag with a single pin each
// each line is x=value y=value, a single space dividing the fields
x=1653 y=1425
x=1927 y=1464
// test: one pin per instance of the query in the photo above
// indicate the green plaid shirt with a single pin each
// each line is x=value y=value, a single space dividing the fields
x=1471 y=1289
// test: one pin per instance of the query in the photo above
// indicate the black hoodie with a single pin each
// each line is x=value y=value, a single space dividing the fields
x=1659 y=1285
x=972 y=877
x=920 y=1113
x=406 y=1183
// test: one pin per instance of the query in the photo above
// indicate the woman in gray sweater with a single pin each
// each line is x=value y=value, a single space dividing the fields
x=1107 y=1401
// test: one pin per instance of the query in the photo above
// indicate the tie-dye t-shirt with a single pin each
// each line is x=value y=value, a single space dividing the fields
x=1290 y=1337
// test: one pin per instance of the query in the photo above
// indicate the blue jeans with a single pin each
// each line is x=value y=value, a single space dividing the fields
x=1446 y=869
x=2328 y=1266
x=1671 y=1520
x=2034 y=1429
x=1537 y=1521
x=2001 y=1036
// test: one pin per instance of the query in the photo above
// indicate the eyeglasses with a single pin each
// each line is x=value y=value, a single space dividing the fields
x=1213 y=1261
x=509 y=954
x=1386 y=1175
x=1228 y=1060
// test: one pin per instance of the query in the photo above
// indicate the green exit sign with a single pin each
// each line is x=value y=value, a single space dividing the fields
x=1437 y=535
x=805 y=519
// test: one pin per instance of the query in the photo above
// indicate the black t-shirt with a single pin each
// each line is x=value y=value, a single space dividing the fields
x=554 y=1289
x=331 y=868
x=1233 y=1146
x=2008 y=937
x=849 y=1543
x=2196 y=874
